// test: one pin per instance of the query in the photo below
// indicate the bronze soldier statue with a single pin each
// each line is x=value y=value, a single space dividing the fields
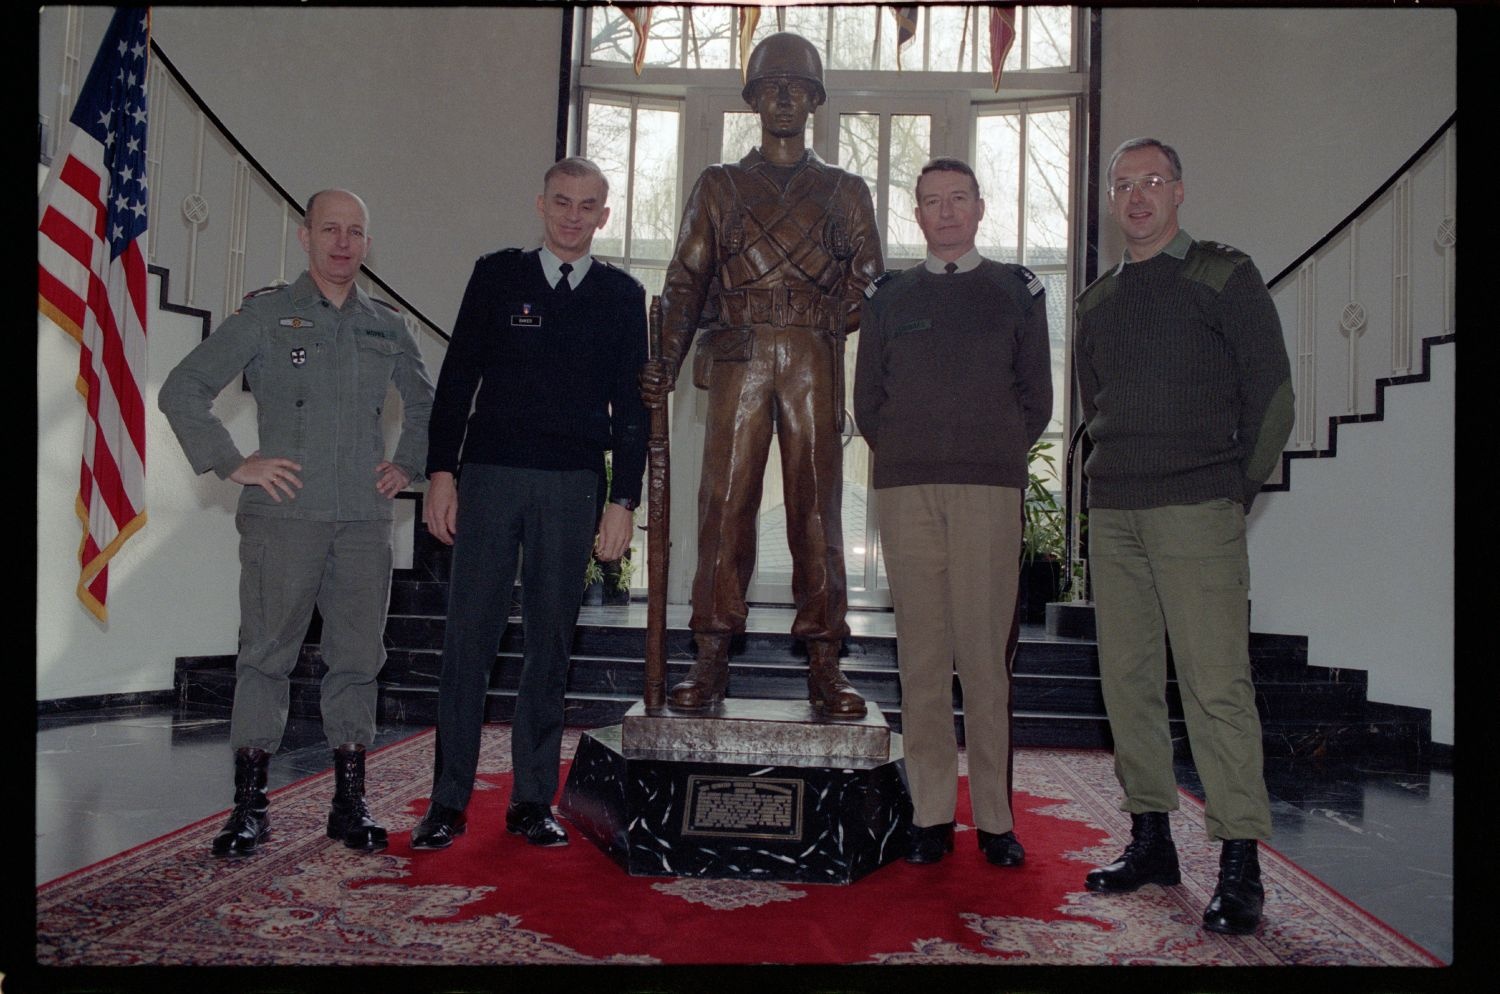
x=782 y=246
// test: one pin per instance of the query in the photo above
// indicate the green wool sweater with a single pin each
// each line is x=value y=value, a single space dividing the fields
x=953 y=382
x=1183 y=378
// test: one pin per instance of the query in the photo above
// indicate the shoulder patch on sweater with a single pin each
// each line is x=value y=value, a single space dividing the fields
x=877 y=281
x=1096 y=293
x=1032 y=280
x=1212 y=263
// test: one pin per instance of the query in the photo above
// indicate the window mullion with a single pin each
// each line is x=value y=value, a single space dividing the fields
x=626 y=243
x=1021 y=159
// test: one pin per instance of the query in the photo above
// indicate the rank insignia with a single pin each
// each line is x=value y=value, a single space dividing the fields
x=299 y=357
x=874 y=284
x=296 y=323
x=1033 y=282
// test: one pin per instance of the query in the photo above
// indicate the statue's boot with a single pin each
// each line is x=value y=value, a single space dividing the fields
x=827 y=689
x=708 y=680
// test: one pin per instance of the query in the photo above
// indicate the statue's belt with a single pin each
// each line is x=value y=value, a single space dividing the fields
x=782 y=307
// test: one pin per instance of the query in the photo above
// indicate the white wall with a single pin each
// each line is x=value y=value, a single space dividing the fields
x=443 y=119
x=1286 y=120
x=1358 y=554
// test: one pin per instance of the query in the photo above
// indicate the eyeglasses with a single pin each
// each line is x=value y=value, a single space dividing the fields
x=1148 y=184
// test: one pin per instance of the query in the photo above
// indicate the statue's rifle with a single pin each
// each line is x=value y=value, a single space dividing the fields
x=658 y=499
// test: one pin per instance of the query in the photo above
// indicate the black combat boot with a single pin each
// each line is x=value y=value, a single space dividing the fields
x=1235 y=907
x=249 y=824
x=1150 y=858
x=349 y=818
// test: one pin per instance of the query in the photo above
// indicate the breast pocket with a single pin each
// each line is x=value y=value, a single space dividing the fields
x=377 y=367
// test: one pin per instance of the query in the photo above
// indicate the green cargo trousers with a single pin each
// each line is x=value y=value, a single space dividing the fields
x=1180 y=572
x=287 y=565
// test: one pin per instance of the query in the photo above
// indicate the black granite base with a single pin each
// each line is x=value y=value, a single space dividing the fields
x=659 y=815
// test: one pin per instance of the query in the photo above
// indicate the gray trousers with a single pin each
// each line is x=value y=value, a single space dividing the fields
x=952 y=552
x=1183 y=572
x=286 y=566
x=503 y=511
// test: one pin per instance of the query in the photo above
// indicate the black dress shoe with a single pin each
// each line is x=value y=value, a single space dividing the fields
x=930 y=844
x=439 y=827
x=1003 y=849
x=536 y=823
x=1236 y=904
x=1149 y=858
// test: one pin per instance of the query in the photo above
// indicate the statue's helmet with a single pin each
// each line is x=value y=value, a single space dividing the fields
x=784 y=54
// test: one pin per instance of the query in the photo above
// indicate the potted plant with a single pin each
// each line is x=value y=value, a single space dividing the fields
x=1041 y=536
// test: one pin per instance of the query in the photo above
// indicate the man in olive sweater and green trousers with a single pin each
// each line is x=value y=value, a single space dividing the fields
x=1186 y=389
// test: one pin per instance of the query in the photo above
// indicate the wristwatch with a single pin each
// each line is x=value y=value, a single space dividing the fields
x=626 y=503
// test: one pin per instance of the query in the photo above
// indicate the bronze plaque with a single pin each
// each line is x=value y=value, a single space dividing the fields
x=743 y=807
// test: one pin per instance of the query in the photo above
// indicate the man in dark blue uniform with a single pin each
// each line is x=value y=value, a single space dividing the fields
x=551 y=341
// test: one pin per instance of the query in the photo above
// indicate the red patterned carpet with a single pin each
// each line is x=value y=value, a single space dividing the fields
x=491 y=899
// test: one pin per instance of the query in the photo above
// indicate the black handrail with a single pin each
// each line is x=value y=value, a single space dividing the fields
x=266 y=175
x=1365 y=204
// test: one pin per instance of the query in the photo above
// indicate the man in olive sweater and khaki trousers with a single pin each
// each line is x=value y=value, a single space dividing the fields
x=953 y=385
x=1185 y=385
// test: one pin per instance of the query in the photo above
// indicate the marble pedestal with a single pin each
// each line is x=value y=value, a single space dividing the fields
x=761 y=790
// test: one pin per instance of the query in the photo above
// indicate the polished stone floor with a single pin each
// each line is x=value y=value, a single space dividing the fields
x=108 y=779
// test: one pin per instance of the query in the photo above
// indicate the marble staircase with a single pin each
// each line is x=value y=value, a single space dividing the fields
x=1309 y=711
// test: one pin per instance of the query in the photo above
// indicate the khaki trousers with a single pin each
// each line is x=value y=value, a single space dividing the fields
x=1183 y=573
x=952 y=553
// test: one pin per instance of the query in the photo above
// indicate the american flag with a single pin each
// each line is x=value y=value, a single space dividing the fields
x=91 y=280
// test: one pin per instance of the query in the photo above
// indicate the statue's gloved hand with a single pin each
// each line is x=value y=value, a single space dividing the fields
x=657 y=379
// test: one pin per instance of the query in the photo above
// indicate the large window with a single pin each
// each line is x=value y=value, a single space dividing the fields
x=851 y=37
x=655 y=132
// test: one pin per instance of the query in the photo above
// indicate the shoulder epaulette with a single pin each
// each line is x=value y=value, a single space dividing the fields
x=386 y=304
x=1032 y=280
x=500 y=253
x=278 y=285
x=619 y=271
x=1095 y=293
x=1212 y=263
x=875 y=283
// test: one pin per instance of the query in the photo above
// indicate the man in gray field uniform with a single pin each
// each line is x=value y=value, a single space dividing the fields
x=315 y=513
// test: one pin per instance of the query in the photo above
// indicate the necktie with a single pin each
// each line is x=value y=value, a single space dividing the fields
x=951 y=268
x=563 y=286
